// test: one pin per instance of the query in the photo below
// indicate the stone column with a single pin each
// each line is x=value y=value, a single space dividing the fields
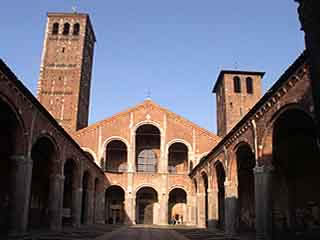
x=309 y=17
x=55 y=202
x=128 y=207
x=201 y=207
x=231 y=208
x=263 y=202
x=21 y=186
x=90 y=207
x=163 y=209
x=76 y=207
x=99 y=208
x=192 y=206
x=212 y=209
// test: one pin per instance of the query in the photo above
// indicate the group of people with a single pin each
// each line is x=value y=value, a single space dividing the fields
x=176 y=219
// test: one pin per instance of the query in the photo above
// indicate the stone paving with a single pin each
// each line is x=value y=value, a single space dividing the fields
x=136 y=232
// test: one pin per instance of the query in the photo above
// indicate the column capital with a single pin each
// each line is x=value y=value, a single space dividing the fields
x=263 y=169
x=21 y=159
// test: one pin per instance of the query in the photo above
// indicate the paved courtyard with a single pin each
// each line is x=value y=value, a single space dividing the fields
x=137 y=232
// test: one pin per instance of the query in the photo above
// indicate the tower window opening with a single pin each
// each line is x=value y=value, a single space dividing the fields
x=236 y=84
x=249 y=85
x=66 y=29
x=76 y=29
x=55 y=28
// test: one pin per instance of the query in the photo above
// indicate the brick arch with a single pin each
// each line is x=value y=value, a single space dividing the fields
x=92 y=153
x=22 y=147
x=265 y=148
x=148 y=122
x=110 y=139
x=201 y=180
x=57 y=164
x=117 y=185
x=179 y=140
x=214 y=183
x=150 y=185
x=77 y=168
x=178 y=186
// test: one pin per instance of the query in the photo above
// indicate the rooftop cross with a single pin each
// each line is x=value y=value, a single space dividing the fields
x=74 y=8
x=148 y=97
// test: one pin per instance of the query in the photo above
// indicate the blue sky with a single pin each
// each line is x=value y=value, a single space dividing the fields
x=176 y=48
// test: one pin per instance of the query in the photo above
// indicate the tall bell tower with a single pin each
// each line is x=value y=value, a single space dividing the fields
x=66 y=67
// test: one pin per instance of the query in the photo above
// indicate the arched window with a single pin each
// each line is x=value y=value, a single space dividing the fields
x=147 y=161
x=178 y=158
x=236 y=84
x=76 y=29
x=116 y=156
x=66 y=29
x=147 y=148
x=55 y=28
x=249 y=85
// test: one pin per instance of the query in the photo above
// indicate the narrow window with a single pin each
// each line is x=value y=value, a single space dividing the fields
x=76 y=29
x=236 y=84
x=55 y=28
x=66 y=29
x=249 y=85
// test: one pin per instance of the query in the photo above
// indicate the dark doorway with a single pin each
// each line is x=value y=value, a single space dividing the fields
x=115 y=213
x=145 y=205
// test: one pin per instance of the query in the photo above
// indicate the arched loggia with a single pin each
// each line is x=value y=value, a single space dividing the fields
x=10 y=131
x=146 y=206
x=295 y=160
x=220 y=180
x=43 y=155
x=246 y=199
x=114 y=205
x=177 y=206
x=70 y=181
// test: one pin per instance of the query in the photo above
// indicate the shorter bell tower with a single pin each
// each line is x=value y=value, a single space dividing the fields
x=236 y=93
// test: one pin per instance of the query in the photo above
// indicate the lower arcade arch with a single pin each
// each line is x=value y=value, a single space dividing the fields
x=43 y=154
x=246 y=199
x=177 y=206
x=147 y=206
x=114 y=205
x=220 y=181
x=69 y=198
x=295 y=160
x=10 y=131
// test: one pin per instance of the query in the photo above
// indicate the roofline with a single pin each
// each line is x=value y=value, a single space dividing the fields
x=9 y=74
x=284 y=77
x=222 y=72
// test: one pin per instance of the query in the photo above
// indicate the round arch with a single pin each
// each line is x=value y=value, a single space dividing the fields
x=147 y=206
x=179 y=140
x=177 y=206
x=114 y=205
x=92 y=153
x=150 y=185
x=265 y=148
x=147 y=122
x=110 y=139
x=116 y=155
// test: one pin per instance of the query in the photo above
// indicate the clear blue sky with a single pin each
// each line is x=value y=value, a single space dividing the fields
x=174 y=47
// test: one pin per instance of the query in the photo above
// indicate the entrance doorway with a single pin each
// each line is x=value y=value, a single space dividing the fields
x=146 y=206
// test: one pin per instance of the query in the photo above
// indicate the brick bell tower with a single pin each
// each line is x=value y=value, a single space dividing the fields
x=236 y=93
x=66 y=66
